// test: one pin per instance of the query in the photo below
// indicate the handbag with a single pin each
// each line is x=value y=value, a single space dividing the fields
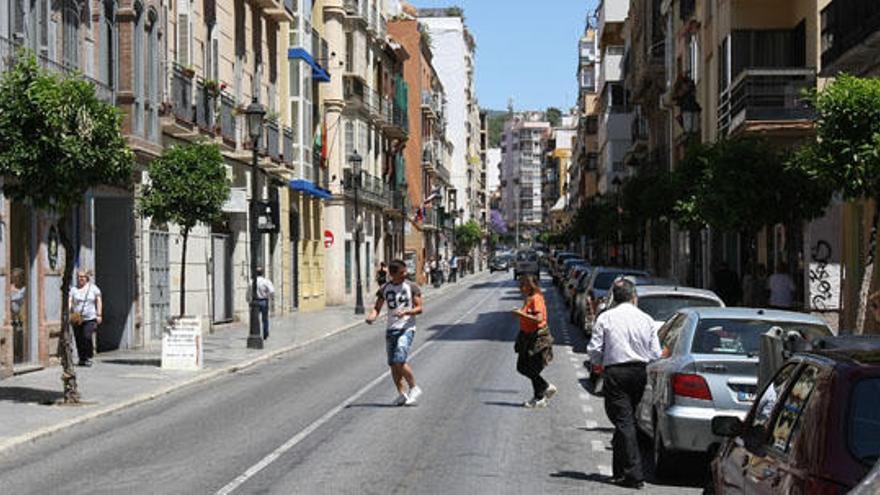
x=76 y=317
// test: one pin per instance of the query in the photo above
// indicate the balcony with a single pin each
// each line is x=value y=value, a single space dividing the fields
x=612 y=15
x=206 y=103
x=372 y=190
x=850 y=36
x=361 y=97
x=287 y=141
x=429 y=104
x=767 y=100
x=7 y=60
x=273 y=140
x=277 y=10
x=227 y=119
x=181 y=94
x=357 y=9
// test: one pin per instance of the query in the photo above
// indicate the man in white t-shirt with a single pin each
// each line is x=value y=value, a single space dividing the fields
x=781 y=288
x=265 y=291
x=404 y=300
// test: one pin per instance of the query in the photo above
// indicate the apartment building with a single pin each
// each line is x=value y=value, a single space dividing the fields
x=367 y=119
x=557 y=145
x=522 y=156
x=426 y=165
x=583 y=171
x=614 y=106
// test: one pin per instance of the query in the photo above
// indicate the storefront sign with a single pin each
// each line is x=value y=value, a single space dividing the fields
x=328 y=239
x=182 y=344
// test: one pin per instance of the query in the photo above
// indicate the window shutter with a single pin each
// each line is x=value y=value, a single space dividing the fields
x=183 y=38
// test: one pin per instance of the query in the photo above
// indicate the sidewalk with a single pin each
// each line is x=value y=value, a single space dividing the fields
x=123 y=379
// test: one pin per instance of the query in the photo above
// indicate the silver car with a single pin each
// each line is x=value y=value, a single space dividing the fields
x=709 y=368
x=663 y=301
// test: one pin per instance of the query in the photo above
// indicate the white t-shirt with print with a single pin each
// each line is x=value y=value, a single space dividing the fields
x=85 y=301
x=397 y=297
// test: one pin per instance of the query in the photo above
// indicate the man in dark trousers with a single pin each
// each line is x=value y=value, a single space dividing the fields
x=623 y=342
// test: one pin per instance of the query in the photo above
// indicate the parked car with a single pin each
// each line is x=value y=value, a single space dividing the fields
x=663 y=301
x=814 y=429
x=557 y=262
x=499 y=264
x=594 y=291
x=574 y=276
x=565 y=268
x=526 y=263
x=709 y=368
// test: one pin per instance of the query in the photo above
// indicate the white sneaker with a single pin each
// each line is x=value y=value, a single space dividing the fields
x=413 y=395
x=550 y=392
x=400 y=400
x=535 y=403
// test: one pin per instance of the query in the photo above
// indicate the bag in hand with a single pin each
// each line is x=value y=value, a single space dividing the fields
x=76 y=318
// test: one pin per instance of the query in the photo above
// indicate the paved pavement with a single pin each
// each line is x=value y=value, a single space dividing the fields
x=126 y=378
x=318 y=420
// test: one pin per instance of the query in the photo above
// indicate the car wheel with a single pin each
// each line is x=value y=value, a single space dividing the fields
x=663 y=460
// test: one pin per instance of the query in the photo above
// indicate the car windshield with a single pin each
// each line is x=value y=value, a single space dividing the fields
x=661 y=307
x=864 y=424
x=527 y=256
x=735 y=336
x=605 y=279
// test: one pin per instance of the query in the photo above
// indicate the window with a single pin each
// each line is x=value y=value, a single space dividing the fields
x=771 y=395
x=183 y=33
x=724 y=65
x=153 y=76
x=349 y=139
x=788 y=422
x=731 y=336
x=661 y=307
x=138 y=68
x=108 y=45
x=692 y=59
x=670 y=332
x=348 y=267
x=864 y=422
x=349 y=52
x=71 y=21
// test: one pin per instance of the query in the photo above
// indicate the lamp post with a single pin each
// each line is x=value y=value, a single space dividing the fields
x=355 y=162
x=518 y=200
x=616 y=182
x=690 y=114
x=254 y=113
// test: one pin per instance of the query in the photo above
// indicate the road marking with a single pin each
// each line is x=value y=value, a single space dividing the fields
x=598 y=445
x=587 y=409
x=605 y=470
x=592 y=424
x=303 y=434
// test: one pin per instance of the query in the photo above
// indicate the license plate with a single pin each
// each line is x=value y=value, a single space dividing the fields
x=743 y=396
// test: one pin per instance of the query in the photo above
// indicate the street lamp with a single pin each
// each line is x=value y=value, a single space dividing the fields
x=355 y=162
x=690 y=114
x=254 y=113
x=616 y=182
x=518 y=200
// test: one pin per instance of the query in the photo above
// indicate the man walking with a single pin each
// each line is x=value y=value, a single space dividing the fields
x=623 y=342
x=404 y=300
x=453 y=268
x=265 y=290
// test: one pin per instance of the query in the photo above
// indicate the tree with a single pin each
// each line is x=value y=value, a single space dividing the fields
x=846 y=154
x=58 y=140
x=188 y=185
x=554 y=116
x=467 y=236
x=496 y=128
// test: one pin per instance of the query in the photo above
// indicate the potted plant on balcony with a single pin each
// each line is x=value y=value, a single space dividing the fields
x=213 y=87
x=188 y=71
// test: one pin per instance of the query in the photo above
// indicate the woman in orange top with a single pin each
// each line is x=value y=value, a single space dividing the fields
x=534 y=345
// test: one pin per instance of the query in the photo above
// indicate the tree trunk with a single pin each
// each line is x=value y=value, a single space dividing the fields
x=868 y=279
x=65 y=351
x=183 y=273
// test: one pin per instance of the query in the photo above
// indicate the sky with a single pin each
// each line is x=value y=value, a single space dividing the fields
x=526 y=49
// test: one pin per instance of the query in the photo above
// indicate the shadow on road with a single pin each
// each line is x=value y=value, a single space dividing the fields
x=497 y=326
x=372 y=405
x=30 y=395
x=503 y=403
x=577 y=475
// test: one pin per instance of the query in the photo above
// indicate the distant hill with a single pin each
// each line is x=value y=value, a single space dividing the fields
x=496 y=120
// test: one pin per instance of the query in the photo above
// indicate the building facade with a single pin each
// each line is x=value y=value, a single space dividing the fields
x=521 y=182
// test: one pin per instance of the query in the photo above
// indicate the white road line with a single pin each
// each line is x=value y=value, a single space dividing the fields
x=605 y=470
x=587 y=409
x=592 y=424
x=299 y=437
x=598 y=445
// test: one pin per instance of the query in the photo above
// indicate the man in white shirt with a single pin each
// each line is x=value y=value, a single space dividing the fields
x=624 y=341
x=781 y=288
x=265 y=290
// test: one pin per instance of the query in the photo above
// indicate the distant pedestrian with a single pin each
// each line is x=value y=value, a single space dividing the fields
x=382 y=274
x=265 y=291
x=781 y=287
x=436 y=279
x=727 y=285
x=86 y=313
x=623 y=342
x=444 y=270
x=534 y=344
x=453 y=268
x=404 y=300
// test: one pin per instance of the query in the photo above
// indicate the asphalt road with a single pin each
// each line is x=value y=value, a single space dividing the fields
x=320 y=420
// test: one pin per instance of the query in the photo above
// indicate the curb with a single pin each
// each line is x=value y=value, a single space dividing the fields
x=34 y=435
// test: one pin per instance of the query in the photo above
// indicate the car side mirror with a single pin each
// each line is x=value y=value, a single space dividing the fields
x=727 y=426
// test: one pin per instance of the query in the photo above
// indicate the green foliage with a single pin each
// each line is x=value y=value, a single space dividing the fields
x=846 y=153
x=496 y=128
x=188 y=184
x=554 y=116
x=455 y=11
x=467 y=236
x=599 y=220
x=57 y=139
x=741 y=185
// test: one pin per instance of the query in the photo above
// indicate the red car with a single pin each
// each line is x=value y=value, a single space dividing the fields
x=814 y=429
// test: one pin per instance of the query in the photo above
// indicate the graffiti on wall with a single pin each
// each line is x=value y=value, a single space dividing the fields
x=824 y=278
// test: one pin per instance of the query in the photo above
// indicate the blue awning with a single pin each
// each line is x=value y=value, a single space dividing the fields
x=318 y=73
x=308 y=187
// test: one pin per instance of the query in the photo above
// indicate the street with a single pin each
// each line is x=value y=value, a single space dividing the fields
x=320 y=420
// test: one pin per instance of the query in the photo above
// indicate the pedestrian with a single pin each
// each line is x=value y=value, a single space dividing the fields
x=435 y=272
x=453 y=268
x=727 y=284
x=444 y=270
x=381 y=274
x=781 y=287
x=265 y=291
x=86 y=313
x=534 y=344
x=404 y=300
x=623 y=342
